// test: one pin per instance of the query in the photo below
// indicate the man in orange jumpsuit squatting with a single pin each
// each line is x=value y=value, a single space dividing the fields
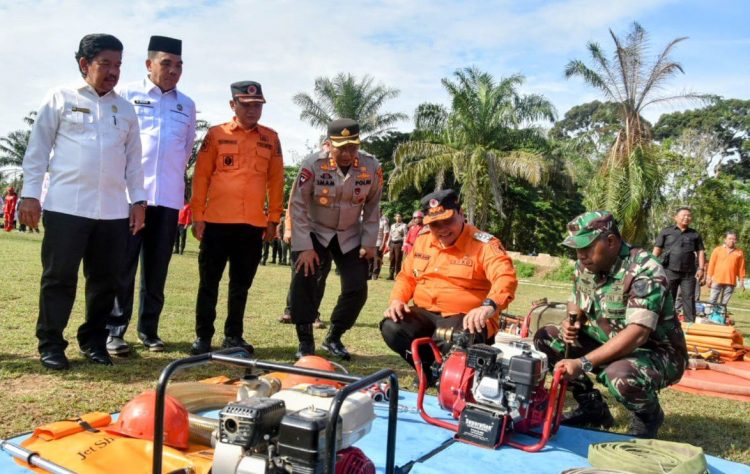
x=457 y=276
x=239 y=166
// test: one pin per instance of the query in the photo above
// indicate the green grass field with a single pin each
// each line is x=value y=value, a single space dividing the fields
x=33 y=395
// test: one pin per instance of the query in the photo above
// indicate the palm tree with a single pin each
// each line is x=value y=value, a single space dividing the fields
x=13 y=146
x=485 y=139
x=347 y=96
x=629 y=180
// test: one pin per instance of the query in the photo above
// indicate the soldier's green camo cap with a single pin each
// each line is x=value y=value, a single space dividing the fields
x=584 y=229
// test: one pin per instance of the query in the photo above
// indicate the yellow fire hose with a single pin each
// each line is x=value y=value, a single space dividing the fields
x=197 y=396
x=649 y=456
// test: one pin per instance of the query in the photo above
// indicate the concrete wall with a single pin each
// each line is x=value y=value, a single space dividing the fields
x=543 y=260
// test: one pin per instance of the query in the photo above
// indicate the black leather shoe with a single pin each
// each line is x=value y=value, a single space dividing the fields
x=117 y=346
x=335 y=347
x=97 y=356
x=646 y=424
x=200 y=346
x=55 y=360
x=153 y=344
x=592 y=412
x=236 y=341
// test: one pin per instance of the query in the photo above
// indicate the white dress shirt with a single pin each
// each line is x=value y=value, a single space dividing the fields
x=92 y=149
x=167 y=121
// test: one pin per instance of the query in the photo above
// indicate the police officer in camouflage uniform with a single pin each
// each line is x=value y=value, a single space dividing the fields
x=335 y=213
x=625 y=330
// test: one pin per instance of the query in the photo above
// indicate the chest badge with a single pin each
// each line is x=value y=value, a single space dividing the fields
x=228 y=160
x=179 y=107
x=114 y=109
x=323 y=200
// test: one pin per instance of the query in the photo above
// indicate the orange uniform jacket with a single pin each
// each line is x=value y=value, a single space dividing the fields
x=236 y=170
x=725 y=267
x=457 y=279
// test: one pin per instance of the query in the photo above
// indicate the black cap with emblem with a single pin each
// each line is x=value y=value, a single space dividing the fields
x=343 y=131
x=165 y=44
x=440 y=205
x=247 y=91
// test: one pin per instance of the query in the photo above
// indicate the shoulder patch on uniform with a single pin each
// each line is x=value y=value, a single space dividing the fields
x=205 y=141
x=483 y=237
x=304 y=175
x=641 y=287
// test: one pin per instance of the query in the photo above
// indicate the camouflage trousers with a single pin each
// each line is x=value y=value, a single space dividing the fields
x=634 y=380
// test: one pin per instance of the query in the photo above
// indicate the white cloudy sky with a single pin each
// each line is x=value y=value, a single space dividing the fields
x=405 y=44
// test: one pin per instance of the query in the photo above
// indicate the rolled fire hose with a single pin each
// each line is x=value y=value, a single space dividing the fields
x=649 y=456
x=719 y=387
x=197 y=396
x=593 y=470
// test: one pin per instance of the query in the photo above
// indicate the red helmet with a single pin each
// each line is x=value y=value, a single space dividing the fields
x=137 y=420
x=418 y=214
x=311 y=362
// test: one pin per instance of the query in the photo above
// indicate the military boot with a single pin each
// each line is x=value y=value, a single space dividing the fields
x=646 y=423
x=306 y=340
x=592 y=411
x=332 y=343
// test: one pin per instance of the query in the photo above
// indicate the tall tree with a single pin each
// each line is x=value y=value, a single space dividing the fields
x=485 y=139
x=728 y=120
x=13 y=146
x=628 y=181
x=201 y=127
x=345 y=95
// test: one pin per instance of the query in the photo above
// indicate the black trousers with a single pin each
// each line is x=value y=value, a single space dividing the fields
x=397 y=254
x=305 y=293
x=322 y=276
x=284 y=249
x=152 y=246
x=67 y=240
x=685 y=281
x=240 y=245
x=180 y=238
x=375 y=263
x=418 y=323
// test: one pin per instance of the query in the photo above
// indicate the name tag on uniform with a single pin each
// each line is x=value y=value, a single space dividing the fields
x=83 y=110
x=141 y=102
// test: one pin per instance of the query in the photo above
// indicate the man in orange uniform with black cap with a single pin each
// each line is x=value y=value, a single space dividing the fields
x=456 y=275
x=239 y=168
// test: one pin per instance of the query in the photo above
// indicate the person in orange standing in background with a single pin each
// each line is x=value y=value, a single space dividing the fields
x=239 y=167
x=414 y=230
x=727 y=265
x=457 y=276
x=184 y=219
x=9 y=209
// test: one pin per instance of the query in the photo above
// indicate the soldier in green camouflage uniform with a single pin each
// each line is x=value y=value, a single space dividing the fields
x=625 y=332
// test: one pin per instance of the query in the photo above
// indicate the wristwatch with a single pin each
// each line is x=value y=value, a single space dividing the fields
x=586 y=364
x=143 y=204
x=489 y=302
